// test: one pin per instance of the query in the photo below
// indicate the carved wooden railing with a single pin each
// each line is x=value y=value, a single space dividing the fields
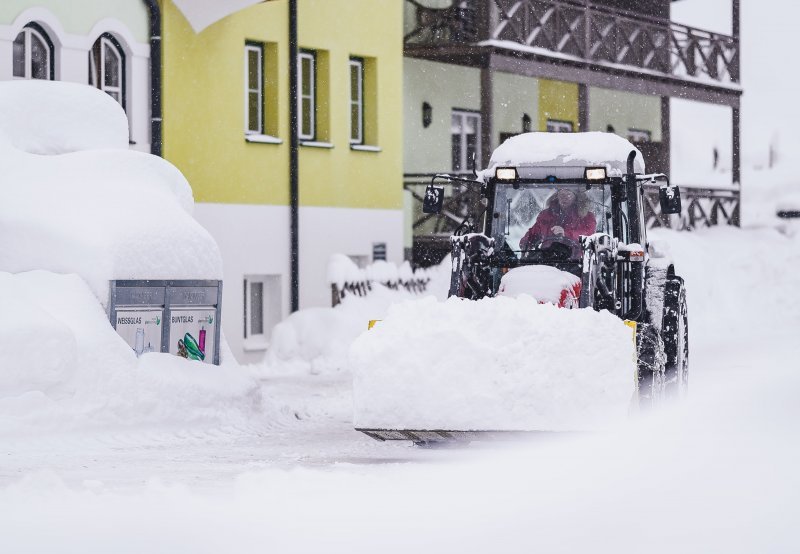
x=581 y=31
x=416 y=285
x=702 y=207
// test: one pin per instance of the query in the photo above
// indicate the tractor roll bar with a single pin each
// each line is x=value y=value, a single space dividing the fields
x=637 y=272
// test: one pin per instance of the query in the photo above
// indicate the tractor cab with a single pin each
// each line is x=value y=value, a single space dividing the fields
x=569 y=201
x=540 y=220
x=560 y=220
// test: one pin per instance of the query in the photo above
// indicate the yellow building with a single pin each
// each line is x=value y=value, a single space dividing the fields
x=226 y=127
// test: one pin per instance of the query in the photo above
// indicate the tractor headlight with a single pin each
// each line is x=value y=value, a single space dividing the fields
x=595 y=173
x=505 y=173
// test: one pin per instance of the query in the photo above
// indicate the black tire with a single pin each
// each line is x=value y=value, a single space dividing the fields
x=675 y=334
x=650 y=363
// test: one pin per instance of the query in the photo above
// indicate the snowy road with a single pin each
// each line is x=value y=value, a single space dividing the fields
x=313 y=428
x=717 y=473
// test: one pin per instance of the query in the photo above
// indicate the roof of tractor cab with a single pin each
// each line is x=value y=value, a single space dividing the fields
x=566 y=150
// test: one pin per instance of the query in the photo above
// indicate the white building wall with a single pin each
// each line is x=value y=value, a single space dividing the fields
x=623 y=111
x=447 y=87
x=73 y=31
x=254 y=240
x=444 y=87
x=513 y=96
x=327 y=231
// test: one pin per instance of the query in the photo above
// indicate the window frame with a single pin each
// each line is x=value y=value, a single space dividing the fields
x=463 y=156
x=258 y=48
x=29 y=29
x=358 y=103
x=559 y=126
x=639 y=135
x=249 y=336
x=311 y=57
x=95 y=73
x=271 y=308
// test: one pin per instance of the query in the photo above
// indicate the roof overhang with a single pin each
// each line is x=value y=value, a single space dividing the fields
x=203 y=13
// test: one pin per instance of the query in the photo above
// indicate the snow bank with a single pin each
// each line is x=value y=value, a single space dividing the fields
x=494 y=364
x=63 y=366
x=317 y=340
x=78 y=209
x=103 y=214
x=572 y=149
x=56 y=117
x=542 y=282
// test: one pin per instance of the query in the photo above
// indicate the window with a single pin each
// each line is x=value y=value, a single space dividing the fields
x=465 y=128
x=306 y=88
x=639 y=135
x=256 y=308
x=523 y=204
x=107 y=67
x=556 y=126
x=262 y=308
x=356 y=101
x=33 y=54
x=254 y=88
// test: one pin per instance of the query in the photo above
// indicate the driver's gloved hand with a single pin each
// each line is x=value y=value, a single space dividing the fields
x=558 y=231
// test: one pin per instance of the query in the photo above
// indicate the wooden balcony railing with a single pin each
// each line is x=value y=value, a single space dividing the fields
x=702 y=207
x=582 y=32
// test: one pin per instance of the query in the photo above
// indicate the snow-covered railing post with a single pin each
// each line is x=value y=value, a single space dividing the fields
x=347 y=279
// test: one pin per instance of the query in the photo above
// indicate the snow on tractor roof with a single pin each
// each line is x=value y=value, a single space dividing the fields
x=75 y=199
x=566 y=149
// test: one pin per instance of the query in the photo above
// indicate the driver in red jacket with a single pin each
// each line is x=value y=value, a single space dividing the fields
x=566 y=215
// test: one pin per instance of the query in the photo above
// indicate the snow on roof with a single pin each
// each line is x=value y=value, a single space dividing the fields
x=92 y=206
x=567 y=149
x=203 y=13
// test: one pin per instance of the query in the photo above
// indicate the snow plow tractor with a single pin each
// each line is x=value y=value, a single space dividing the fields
x=562 y=220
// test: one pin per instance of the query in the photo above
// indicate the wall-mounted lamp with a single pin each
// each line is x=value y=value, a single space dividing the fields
x=427 y=115
x=526 y=123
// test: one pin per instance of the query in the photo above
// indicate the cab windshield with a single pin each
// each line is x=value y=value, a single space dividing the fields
x=543 y=222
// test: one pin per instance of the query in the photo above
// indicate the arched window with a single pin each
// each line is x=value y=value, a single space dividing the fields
x=107 y=67
x=33 y=54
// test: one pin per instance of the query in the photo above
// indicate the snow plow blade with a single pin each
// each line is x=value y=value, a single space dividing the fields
x=442 y=436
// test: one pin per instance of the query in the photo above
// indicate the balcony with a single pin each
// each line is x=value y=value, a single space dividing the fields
x=578 y=32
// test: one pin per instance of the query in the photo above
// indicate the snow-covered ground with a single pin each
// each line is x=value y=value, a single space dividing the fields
x=104 y=452
x=284 y=471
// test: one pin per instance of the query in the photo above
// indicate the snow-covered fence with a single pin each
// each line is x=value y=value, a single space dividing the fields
x=701 y=207
x=346 y=278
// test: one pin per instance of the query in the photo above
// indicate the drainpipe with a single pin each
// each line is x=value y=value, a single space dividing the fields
x=154 y=14
x=293 y=159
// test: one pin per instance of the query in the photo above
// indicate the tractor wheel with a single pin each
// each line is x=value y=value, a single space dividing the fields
x=650 y=365
x=675 y=334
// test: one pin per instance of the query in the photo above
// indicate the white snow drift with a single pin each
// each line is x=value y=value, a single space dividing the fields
x=493 y=364
x=77 y=209
x=91 y=206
